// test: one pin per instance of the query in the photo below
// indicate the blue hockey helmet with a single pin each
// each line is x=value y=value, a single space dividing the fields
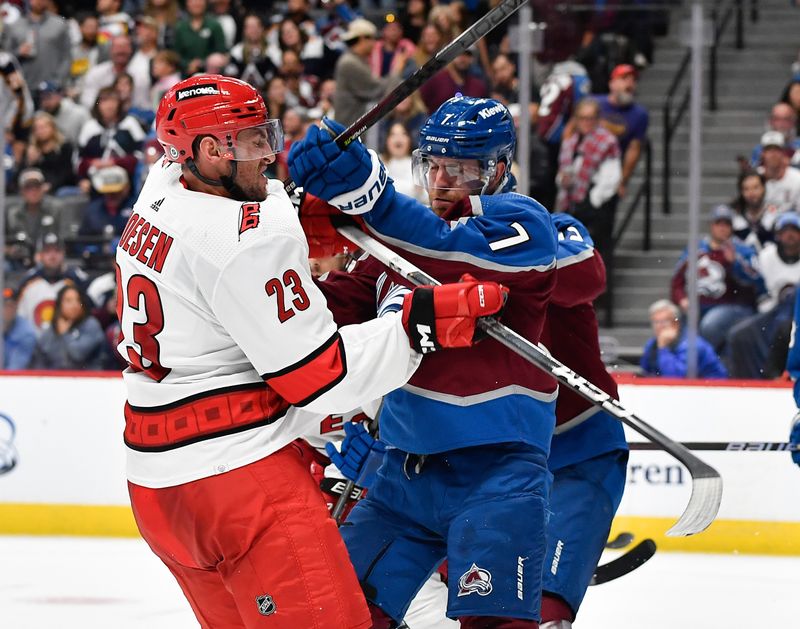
x=466 y=128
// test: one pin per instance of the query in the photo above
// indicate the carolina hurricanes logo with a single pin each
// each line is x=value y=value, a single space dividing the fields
x=475 y=580
x=249 y=216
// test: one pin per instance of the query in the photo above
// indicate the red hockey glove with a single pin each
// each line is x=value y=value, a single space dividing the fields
x=323 y=239
x=444 y=316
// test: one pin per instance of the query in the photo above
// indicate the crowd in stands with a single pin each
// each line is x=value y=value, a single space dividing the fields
x=748 y=266
x=82 y=80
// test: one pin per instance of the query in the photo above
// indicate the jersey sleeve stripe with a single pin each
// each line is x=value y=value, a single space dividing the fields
x=304 y=381
x=201 y=417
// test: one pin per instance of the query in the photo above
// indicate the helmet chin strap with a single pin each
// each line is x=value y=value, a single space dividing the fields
x=226 y=181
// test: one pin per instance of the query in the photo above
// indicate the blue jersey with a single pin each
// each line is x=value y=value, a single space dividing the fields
x=583 y=431
x=487 y=393
x=793 y=360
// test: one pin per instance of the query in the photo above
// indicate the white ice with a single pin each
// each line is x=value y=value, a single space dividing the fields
x=72 y=582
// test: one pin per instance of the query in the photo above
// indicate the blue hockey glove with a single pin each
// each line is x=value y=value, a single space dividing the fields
x=794 y=437
x=360 y=455
x=351 y=180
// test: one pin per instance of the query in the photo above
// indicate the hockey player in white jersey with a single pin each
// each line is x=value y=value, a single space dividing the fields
x=232 y=352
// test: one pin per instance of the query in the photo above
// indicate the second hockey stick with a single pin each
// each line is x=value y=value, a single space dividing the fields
x=706 y=495
x=628 y=562
x=459 y=45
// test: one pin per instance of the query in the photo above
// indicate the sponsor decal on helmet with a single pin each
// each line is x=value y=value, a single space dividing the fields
x=173 y=152
x=477 y=580
x=209 y=89
x=491 y=111
x=433 y=138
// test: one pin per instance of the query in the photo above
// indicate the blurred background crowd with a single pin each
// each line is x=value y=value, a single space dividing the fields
x=81 y=81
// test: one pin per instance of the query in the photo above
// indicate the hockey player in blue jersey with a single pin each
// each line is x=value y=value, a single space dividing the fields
x=588 y=451
x=465 y=474
x=793 y=367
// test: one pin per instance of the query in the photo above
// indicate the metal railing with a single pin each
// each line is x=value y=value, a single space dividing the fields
x=643 y=194
x=722 y=12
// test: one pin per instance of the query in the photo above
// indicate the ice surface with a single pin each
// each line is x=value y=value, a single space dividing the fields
x=73 y=582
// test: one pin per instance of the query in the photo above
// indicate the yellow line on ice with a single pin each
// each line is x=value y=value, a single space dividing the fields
x=64 y=519
x=753 y=537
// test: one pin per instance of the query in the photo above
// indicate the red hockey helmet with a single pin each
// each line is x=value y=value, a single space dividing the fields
x=228 y=109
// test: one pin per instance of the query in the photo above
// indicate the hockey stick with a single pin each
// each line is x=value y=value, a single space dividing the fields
x=459 y=45
x=726 y=446
x=628 y=562
x=706 y=482
x=338 y=508
x=620 y=541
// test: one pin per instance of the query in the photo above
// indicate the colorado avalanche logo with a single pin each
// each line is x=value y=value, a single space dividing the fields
x=8 y=453
x=475 y=580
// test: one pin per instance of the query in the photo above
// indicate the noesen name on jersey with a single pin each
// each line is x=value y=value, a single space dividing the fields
x=198 y=90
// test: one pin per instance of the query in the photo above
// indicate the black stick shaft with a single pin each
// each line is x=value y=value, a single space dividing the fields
x=460 y=44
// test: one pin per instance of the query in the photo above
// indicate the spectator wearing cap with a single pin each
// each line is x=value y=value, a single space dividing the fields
x=589 y=173
x=665 y=353
x=107 y=214
x=19 y=336
x=625 y=118
x=456 y=77
x=40 y=40
x=110 y=137
x=37 y=213
x=728 y=279
x=753 y=220
x=752 y=341
x=197 y=36
x=69 y=115
x=39 y=287
x=783 y=182
x=356 y=86
x=146 y=39
x=51 y=153
x=74 y=339
x=782 y=119
x=389 y=46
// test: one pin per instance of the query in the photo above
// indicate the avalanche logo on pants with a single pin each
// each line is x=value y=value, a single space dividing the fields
x=475 y=580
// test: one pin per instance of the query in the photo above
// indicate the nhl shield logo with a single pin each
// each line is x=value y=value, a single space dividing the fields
x=477 y=580
x=266 y=606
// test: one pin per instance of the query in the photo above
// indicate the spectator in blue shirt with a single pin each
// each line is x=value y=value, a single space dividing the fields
x=19 y=335
x=107 y=214
x=626 y=119
x=665 y=354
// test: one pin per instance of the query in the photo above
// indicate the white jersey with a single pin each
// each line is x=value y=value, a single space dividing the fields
x=233 y=353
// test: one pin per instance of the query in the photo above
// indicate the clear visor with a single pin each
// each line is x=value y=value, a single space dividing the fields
x=448 y=173
x=253 y=143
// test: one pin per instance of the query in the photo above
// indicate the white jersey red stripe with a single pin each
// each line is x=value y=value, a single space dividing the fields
x=224 y=329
